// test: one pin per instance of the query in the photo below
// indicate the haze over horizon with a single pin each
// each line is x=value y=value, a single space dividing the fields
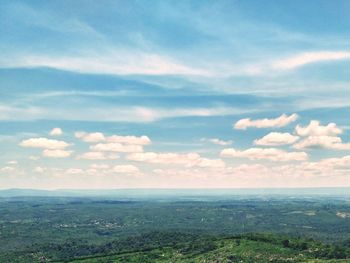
x=174 y=94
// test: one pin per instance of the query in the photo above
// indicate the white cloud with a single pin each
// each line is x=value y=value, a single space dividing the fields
x=117 y=62
x=325 y=168
x=13 y=162
x=280 y=64
x=126 y=169
x=217 y=141
x=248 y=169
x=308 y=58
x=327 y=142
x=44 y=143
x=276 y=138
x=135 y=114
x=39 y=169
x=7 y=169
x=34 y=158
x=90 y=137
x=116 y=147
x=97 y=156
x=56 y=153
x=142 y=140
x=164 y=158
x=187 y=159
x=336 y=163
x=144 y=114
x=100 y=137
x=209 y=163
x=280 y=121
x=102 y=170
x=56 y=132
x=99 y=166
x=271 y=154
x=320 y=136
x=315 y=129
x=186 y=112
x=74 y=171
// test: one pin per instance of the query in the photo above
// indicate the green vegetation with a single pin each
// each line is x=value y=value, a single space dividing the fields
x=242 y=248
x=178 y=230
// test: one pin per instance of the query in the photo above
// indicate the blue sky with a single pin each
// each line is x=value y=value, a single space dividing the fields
x=174 y=94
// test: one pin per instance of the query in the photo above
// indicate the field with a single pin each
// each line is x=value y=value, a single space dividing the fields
x=179 y=229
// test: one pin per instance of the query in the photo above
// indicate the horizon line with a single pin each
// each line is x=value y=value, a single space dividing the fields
x=157 y=188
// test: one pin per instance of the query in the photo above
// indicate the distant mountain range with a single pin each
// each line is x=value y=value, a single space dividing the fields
x=154 y=193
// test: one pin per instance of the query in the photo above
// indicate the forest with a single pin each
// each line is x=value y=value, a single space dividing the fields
x=182 y=229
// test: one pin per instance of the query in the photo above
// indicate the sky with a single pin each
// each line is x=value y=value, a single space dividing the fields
x=174 y=94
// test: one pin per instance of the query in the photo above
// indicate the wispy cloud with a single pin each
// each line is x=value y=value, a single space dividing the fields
x=108 y=113
x=300 y=60
x=276 y=65
x=217 y=141
x=177 y=72
x=115 y=62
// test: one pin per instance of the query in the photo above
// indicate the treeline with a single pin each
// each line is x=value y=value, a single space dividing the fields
x=190 y=244
x=311 y=247
x=76 y=248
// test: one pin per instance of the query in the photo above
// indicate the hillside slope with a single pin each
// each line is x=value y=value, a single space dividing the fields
x=246 y=248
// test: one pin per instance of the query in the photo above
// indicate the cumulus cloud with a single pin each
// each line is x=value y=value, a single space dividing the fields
x=39 y=169
x=126 y=169
x=339 y=166
x=277 y=138
x=74 y=171
x=327 y=142
x=271 y=154
x=90 y=137
x=142 y=140
x=105 y=170
x=165 y=158
x=280 y=121
x=56 y=132
x=320 y=136
x=217 y=141
x=308 y=58
x=187 y=159
x=315 y=129
x=7 y=169
x=116 y=147
x=98 y=156
x=99 y=166
x=34 y=158
x=95 y=137
x=209 y=163
x=44 y=143
x=248 y=169
x=336 y=163
x=56 y=153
